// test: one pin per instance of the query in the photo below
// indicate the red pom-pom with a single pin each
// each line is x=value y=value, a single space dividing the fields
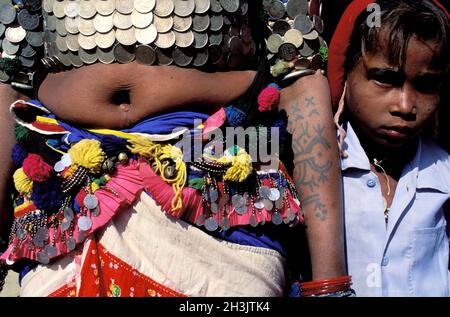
x=36 y=169
x=268 y=99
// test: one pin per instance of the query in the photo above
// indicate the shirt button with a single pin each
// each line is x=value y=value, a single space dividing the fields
x=385 y=261
x=371 y=183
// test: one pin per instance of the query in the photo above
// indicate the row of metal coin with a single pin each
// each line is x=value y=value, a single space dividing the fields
x=295 y=35
x=206 y=38
x=183 y=8
x=278 y=9
x=219 y=49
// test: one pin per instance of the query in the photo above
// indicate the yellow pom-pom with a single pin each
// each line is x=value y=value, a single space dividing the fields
x=88 y=153
x=241 y=167
x=23 y=184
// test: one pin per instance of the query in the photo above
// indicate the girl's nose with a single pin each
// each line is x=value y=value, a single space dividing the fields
x=405 y=104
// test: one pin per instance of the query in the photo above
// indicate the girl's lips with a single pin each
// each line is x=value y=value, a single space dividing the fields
x=396 y=133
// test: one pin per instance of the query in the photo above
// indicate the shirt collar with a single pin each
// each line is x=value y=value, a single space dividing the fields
x=357 y=157
x=430 y=163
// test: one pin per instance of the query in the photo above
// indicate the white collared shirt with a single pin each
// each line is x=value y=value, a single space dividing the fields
x=409 y=257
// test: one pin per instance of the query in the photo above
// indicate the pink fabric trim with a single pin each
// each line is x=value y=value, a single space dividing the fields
x=121 y=191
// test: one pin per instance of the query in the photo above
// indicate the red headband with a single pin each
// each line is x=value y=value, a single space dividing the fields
x=340 y=43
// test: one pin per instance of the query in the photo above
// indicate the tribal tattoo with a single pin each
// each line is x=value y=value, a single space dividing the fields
x=311 y=154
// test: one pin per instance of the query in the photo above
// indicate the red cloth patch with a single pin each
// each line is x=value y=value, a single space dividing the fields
x=104 y=274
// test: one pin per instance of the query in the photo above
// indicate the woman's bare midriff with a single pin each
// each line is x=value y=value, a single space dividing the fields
x=120 y=95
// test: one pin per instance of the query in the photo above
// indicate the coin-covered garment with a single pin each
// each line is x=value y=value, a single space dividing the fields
x=295 y=43
x=21 y=42
x=187 y=33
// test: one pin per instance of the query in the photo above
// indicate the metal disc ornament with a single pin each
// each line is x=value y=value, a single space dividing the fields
x=43 y=258
x=84 y=223
x=70 y=242
x=51 y=251
x=211 y=224
x=225 y=224
x=277 y=218
x=90 y=201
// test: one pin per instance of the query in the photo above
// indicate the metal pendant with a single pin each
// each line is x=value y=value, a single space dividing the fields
x=51 y=251
x=241 y=210
x=200 y=220
x=274 y=194
x=68 y=213
x=215 y=208
x=253 y=221
x=84 y=223
x=213 y=195
x=211 y=224
x=277 y=218
x=65 y=225
x=264 y=191
x=70 y=242
x=43 y=258
x=21 y=233
x=225 y=224
x=90 y=201
x=268 y=205
x=259 y=203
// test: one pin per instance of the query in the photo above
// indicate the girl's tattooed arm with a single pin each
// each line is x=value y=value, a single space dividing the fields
x=317 y=171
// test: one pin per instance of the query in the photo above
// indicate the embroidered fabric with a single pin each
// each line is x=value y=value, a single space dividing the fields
x=95 y=187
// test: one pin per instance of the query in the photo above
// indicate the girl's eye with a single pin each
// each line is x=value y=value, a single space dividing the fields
x=428 y=84
x=385 y=77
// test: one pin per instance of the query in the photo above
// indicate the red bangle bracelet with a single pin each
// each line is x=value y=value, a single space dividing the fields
x=332 y=285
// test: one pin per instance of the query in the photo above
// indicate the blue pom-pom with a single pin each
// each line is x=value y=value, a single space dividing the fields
x=18 y=155
x=47 y=195
x=112 y=144
x=281 y=125
x=235 y=116
x=274 y=85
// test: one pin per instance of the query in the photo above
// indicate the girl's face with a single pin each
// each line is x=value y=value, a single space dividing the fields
x=392 y=105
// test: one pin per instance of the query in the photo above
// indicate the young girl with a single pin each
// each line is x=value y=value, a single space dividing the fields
x=100 y=221
x=389 y=81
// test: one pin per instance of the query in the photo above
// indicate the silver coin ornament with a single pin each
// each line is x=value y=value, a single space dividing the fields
x=90 y=201
x=68 y=213
x=225 y=224
x=51 y=251
x=43 y=258
x=215 y=208
x=21 y=38
x=253 y=221
x=277 y=218
x=211 y=224
x=84 y=223
x=287 y=16
x=161 y=24
x=200 y=220
x=70 y=243
x=65 y=225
